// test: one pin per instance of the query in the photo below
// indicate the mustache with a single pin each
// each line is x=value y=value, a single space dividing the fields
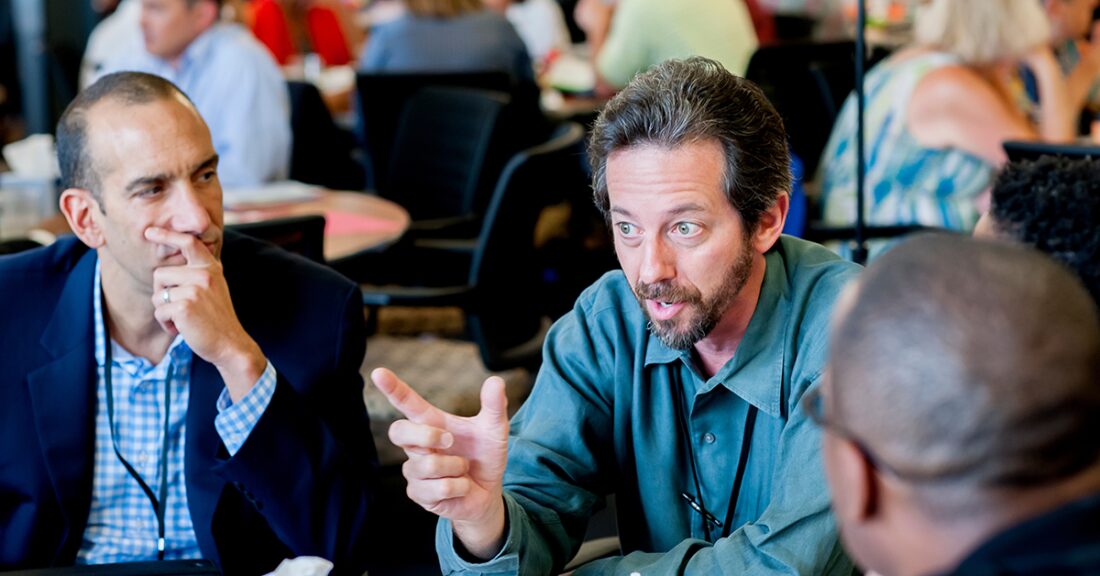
x=666 y=292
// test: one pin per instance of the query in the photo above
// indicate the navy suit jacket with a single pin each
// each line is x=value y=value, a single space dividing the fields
x=301 y=483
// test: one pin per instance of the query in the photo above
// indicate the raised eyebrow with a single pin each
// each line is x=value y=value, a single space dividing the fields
x=675 y=211
x=687 y=208
x=144 y=181
x=138 y=183
x=211 y=162
x=621 y=212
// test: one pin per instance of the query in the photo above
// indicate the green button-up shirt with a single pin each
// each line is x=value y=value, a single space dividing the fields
x=602 y=419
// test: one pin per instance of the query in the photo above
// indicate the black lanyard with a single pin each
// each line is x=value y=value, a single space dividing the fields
x=696 y=502
x=159 y=504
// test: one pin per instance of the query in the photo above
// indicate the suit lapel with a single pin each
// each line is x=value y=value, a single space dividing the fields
x=204 y=485
x=62 y=394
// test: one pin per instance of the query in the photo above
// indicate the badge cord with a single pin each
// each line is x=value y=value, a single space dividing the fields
x=159 y=503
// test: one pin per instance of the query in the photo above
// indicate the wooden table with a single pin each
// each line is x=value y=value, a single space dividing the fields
x=354 y=221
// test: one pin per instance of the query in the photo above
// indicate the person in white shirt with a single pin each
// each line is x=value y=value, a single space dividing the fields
x=232 y=79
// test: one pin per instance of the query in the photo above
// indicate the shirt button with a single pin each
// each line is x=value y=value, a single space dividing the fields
x=709 y=438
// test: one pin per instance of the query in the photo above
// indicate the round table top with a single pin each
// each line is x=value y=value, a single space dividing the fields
x=354 y=221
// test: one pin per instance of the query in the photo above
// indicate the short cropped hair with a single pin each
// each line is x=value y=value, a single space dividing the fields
x=130 y=88
x=1053 y=204
x=681 y=102
x=982 y=31
x=970 y=364
x=442 y=8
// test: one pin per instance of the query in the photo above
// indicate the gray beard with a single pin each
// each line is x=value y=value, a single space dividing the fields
x=710 y=310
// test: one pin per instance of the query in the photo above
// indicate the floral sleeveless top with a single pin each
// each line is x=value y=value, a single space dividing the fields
x=906 y=182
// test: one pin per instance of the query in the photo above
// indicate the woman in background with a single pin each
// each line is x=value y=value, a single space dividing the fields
x=937 y=112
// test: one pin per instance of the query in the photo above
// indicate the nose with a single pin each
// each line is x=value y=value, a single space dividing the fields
x=658 y=261
x=188 y=211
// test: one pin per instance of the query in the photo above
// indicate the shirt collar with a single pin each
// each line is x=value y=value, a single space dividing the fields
x=755 y=373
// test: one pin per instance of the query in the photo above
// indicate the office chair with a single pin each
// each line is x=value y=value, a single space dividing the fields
x=302 y=235
x=439 y=155
x=16 y=245
x=501 y=260
x=381 y=100
x=807 y=83
x=321 y=151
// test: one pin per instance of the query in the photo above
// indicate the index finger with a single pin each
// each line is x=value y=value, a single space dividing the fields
x=401 y=396
x=194 y=251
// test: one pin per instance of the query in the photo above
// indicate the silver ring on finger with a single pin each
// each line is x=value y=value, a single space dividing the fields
x=165 y=296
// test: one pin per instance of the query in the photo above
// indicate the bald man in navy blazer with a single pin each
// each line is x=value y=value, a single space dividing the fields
x=271 y=454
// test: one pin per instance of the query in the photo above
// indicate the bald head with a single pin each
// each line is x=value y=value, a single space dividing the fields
x=972 y=363
x=77 y=164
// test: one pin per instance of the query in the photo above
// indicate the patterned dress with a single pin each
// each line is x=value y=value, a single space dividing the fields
x=906 y=182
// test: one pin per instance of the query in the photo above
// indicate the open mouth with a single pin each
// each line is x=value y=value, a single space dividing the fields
x=663 y=310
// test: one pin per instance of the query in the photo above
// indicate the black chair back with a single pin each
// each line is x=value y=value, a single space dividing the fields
x=440 y=151
x=807 y=83
x=321 y=151
x=302 y=235
x=381 y=98
x=508 y=326
x=16 y=245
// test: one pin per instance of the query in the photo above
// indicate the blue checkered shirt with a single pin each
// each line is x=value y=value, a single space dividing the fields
x=122 y=526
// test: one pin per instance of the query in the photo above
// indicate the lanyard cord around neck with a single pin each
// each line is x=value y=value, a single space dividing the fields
x=742 y=461
x=159 y=504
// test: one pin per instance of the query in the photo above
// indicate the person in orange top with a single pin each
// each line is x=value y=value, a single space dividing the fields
x=293 y=27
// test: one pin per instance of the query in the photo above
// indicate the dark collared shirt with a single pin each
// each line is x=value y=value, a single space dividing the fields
x=602 y=419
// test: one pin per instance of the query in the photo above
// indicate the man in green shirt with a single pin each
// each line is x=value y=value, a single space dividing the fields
x=675 y=382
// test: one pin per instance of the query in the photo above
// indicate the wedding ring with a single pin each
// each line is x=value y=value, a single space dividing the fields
x=164 y=296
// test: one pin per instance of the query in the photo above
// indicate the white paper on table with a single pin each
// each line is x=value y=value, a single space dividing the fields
x=33 y=157
x=303 y=566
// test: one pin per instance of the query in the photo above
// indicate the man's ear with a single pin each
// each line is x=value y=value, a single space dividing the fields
x=207 y=12
x=83 y=211
x=770 y=225
x=857 y=481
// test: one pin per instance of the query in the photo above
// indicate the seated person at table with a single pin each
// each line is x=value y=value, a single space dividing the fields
x=1079 y=56
x=541 y=25
x=232 y=79
x=447 y=36
x=673 y=383
x=115 y=34
x=937 y=113
x=1052 y=204
x=169 y=385
x=291 y=28
x=629 y=36
x=961 y=413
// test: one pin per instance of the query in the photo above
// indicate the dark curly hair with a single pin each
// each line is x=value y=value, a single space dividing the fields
x=1053 y=204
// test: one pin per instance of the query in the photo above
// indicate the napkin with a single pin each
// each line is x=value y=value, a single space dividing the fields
x=33 y=157
x=303 y=566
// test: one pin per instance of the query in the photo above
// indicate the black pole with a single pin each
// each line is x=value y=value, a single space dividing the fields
x=859 y=251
